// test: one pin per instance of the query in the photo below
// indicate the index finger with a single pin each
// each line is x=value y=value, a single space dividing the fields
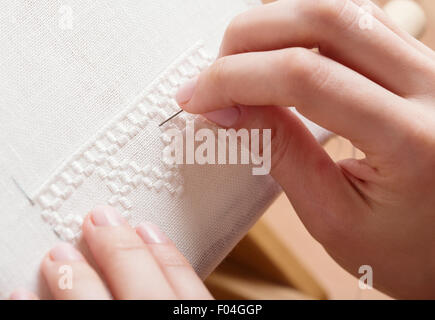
x=326 y=92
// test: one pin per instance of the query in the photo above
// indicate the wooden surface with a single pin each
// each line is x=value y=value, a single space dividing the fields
x=235 y=281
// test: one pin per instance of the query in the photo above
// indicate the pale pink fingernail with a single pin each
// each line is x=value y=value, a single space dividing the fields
x=106 y=216
x=225 y=117
x=186 y=91
x=22 y=294
x=150 y=233
x=65 y=252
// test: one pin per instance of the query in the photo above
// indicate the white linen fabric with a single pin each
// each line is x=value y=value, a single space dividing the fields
x=84 y=85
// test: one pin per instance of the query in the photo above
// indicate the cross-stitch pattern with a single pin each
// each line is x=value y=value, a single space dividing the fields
x=99 y=156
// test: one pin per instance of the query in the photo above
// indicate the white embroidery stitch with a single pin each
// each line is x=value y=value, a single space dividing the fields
x=99 y=156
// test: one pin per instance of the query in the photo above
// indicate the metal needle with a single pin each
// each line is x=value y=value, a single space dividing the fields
x=171 y=117
x=22 y=191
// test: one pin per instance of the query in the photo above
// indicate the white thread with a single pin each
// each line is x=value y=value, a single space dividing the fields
x=98 y=156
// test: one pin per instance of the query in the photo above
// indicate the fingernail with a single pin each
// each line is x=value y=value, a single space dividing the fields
x=225 y=117
x=22 y=294
x=65 y=252
x=185 y=92
x=150 y=233
x=105 y=216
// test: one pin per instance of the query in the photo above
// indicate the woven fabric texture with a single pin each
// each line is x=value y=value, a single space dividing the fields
x=84 y=86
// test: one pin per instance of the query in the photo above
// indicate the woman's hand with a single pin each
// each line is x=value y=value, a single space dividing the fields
x=369 y=82
x=139 y=263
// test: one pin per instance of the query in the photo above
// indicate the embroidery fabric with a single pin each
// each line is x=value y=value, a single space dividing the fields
x=85 y=84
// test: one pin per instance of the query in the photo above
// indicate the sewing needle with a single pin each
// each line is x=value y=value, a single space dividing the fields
x=22 y=191
x=171 y=117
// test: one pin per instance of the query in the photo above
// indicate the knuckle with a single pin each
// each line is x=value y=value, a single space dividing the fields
x=128 y=247
x=295 y=63
x=168 y=256
x=234 y=29
x=121 y=243
x=320 y=76
x=217 y=72
x=279 y=147
x=306 y=69
x=330 y=12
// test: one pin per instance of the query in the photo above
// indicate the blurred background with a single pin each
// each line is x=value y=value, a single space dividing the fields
x=278 y=259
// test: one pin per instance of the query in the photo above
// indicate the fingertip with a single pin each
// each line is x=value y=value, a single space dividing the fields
x=186 y=91
x=105 y=216
x=65 y=252
x=61 y=253
x=150 y=233
x=45 y=263
x=23 y=294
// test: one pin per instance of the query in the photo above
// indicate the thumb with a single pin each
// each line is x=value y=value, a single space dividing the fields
x=317 y=188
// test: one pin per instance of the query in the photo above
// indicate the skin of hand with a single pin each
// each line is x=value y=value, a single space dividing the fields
x=140 y=263
x=376 y=87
